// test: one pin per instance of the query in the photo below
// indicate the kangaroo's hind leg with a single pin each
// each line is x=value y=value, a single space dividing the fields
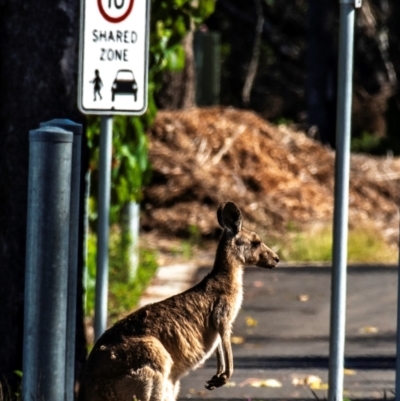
x=177 y=387
x=137 y=369
x=150 y=383
x=142 y=385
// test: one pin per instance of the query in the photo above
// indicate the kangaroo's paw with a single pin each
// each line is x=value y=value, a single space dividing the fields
x=216 y=381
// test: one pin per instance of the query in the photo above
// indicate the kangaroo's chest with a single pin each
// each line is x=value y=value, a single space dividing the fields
x=237 y=304
x=226 y=309
x=235 y=297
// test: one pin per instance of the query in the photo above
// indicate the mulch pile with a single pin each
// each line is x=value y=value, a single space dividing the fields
x=278 y=177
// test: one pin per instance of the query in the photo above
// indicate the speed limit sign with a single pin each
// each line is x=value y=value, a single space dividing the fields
x=113 y=57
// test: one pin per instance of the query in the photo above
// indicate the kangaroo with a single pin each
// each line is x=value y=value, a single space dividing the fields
x=144 y=355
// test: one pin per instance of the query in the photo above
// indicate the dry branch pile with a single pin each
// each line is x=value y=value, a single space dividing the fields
x=278 y=177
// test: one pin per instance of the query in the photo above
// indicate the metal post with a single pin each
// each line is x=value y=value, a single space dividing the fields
x=46 y=276
x=76 y=129
x=100 y=318
x=130 y=233
x=340 y=223
x=86 y=236
x=397 y=383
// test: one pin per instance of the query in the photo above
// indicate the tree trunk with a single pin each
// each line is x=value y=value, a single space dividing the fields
x=322 y=71
x=38 y=59
x=178 y=88
x=253 y=66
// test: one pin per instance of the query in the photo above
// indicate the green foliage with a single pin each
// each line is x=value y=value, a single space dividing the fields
x=283 y=121
x=366 y=143
x=170 y=21
x=365 y=245
x=129 y=167
x=123 y=294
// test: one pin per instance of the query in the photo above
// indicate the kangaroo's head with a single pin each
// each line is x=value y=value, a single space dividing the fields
x=244 y=245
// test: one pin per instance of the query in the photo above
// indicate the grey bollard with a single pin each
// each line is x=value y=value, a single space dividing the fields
x=46 y=272
x=76 y=129
x=130 y=231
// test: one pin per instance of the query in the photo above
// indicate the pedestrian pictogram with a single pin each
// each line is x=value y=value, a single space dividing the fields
x=97 y=83
x=113 y=56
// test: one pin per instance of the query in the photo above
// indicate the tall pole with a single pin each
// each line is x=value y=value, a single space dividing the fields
x=340 y=222
x=397 y=382
x=100 y=318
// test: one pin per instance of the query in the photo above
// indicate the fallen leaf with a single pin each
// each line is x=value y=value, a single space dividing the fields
x=319 y=386
x=297 y=382
x=303 y=297
x=267 y=383
x=237 y=340
x=250 y=322
x=350 y=372
x=272 y=383
x=368 y=330
x=312 y=381
x=230 y=384
x=261 y=383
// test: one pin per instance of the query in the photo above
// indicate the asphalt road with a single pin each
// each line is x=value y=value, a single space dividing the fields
x=281 y=336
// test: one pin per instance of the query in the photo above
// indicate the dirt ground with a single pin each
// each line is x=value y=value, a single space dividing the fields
x=280 y=178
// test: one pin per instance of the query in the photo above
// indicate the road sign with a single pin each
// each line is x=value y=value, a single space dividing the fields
x=113 y=56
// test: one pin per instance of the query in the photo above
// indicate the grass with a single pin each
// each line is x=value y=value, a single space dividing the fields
x=365 y=245
x=6 y=394
x=186 y=247
x=124 y=293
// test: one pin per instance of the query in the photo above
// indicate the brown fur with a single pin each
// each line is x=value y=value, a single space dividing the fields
x=144 y=355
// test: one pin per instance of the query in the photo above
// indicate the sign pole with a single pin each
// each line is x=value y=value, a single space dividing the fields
x=100 y=318
x=340 y=223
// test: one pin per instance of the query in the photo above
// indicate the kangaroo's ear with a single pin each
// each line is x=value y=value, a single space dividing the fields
x=219 y=214
x=232 y=217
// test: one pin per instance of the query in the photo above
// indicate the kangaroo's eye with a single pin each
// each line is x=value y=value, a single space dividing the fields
x=256 y=243
x=239 y=242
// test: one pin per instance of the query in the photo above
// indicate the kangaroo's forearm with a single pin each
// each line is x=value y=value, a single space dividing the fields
x=227 y=353
x=220 y=359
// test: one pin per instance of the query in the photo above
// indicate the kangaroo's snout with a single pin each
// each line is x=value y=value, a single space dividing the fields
x=268 y=258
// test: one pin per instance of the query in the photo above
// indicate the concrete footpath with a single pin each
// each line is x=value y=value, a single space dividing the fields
x=281 y=336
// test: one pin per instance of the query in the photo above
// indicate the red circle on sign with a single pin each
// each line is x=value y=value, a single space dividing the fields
x=115 y=20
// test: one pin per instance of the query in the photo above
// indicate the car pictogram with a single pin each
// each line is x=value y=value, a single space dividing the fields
x=124 y=84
